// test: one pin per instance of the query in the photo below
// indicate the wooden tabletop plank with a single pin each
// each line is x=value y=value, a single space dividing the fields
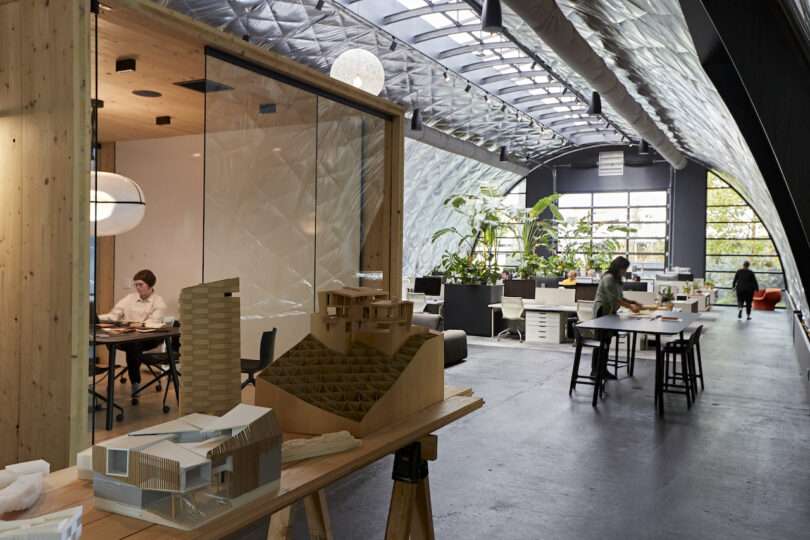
x=298 y=479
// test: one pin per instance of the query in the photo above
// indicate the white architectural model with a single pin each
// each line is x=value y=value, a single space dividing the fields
x=62 y=525
x=21 y=484
x=185 y=472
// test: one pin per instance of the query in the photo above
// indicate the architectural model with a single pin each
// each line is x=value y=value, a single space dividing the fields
x=363 y=367
x=211 y=347
x=186 y=471
x=21 y=484
x=62 y=525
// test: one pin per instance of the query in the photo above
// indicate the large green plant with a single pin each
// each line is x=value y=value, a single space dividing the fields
x=592 y=253
x=533 y=233
x=475 y=259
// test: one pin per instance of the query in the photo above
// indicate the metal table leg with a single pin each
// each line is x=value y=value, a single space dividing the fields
x=110 y=385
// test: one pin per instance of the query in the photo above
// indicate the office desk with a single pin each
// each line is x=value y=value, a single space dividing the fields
x=114 y=341
x=544 y=323
x=301 y=480
x=647 y=325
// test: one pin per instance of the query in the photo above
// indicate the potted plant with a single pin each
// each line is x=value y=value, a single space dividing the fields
x=667 y=297
x=535 y=234
x=471 y=270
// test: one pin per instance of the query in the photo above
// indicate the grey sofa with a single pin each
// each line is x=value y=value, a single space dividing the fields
x=455 y=341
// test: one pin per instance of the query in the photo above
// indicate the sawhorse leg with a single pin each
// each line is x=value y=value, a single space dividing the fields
x=410 y=515
x=317 y=519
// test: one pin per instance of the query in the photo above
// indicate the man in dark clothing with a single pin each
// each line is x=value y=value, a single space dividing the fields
x=745 y=282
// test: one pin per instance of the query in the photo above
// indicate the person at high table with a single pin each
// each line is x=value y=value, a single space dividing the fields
x=609 y=298
x=745 y=283
x=143 y=308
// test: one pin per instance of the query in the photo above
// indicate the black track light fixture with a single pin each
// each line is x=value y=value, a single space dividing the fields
x=393 y=45
x=502 y=156
x=643 y=148
x=468 y=87
x=319 y=5
x=491 y=19
x=416 y=120
x=596 y=104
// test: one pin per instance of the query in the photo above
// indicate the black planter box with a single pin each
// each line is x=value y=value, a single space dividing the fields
x=466 y=307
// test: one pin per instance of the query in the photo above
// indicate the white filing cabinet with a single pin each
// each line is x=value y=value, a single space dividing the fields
x=545 y=326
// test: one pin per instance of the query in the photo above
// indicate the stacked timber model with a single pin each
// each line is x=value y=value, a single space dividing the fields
x=362 y=368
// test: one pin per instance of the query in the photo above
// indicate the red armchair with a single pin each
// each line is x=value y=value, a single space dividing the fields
x=766 y=299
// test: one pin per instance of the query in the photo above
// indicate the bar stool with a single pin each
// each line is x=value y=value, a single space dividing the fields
x=602 y=350
x=696 y=361
x=685 y=349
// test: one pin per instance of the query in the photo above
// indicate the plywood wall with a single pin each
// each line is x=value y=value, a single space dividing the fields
x=44 y=180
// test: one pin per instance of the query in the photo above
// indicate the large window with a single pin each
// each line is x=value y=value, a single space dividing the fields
x=630 y=223
x=508 y=246
x=735 y=234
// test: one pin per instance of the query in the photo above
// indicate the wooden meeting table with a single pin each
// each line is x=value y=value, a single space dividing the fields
x=113 y=341
x=660 y=323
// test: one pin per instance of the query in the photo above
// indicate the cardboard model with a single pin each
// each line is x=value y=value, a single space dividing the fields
x=211 y=340
x=363 y=367
x=184 y=472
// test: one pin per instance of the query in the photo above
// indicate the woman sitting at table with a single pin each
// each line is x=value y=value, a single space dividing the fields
x=143 y=308
x=609 y=298
x=570 y=280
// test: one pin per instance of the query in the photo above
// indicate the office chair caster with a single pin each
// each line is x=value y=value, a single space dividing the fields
x=134 y=401
x=98 y=406
x=119 y=417
x=166 y=409
x=158 y=388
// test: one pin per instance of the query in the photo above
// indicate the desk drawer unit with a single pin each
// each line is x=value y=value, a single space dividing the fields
x=544 y=327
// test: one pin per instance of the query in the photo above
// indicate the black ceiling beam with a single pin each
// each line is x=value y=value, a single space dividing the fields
x=758 y=66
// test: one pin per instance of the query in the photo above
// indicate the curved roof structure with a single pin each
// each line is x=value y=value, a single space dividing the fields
x=511 y=89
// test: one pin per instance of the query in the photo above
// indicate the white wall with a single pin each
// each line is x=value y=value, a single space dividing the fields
x=169 y=239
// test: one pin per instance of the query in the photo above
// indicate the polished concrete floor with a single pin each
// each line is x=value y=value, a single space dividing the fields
x=536 y=464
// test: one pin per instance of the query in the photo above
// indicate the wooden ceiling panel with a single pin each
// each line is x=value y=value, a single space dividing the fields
x=161 y=62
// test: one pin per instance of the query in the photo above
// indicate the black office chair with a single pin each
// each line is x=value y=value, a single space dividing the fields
x=267 y=348
x=97 y=399
x=154 y=362
x=585 y=339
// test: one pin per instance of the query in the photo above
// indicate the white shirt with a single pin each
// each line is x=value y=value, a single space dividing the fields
x=132 y=308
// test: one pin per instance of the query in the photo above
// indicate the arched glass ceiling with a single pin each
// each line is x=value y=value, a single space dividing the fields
x=500 y=64
x=489 y=89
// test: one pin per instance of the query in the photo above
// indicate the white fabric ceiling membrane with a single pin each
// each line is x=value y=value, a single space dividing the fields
x=511 y=100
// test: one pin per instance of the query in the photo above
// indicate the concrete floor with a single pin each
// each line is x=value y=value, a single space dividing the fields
x=536 y=464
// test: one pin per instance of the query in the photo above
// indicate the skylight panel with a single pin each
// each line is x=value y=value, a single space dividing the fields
x=412 y=4
x=467 y=17
x=549 y=100
x=463 y=38
x=561 y=108
x=436 y=20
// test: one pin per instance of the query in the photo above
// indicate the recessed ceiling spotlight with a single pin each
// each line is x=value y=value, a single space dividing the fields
x=277 y=149
x=163 y=120
x=125 y=64
x=147 y=93
x=196 y=155
x=267 y=108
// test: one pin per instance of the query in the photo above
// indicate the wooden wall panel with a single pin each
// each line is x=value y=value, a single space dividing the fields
x=45 y=229
x=395 y=143
x=10 y=229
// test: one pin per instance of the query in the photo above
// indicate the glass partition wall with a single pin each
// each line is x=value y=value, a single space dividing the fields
x=295 y=190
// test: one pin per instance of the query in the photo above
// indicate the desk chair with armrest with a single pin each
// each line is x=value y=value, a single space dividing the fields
x=97 y=398
x=267 y=347
x=155 y=362
x=512 y=314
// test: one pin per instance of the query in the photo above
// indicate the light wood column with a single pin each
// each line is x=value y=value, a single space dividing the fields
x=44 y=110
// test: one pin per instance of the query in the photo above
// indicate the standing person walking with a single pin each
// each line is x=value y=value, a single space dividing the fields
x=745 y=283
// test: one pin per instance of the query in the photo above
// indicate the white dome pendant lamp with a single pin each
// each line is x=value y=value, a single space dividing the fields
x=360 y=68
x=117 y=204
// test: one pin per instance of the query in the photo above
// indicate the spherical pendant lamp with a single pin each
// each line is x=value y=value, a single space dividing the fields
x=361 y=69
x=117 y=204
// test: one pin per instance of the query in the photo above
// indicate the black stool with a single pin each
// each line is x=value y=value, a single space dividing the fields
x=601 y=349
x=685 y=381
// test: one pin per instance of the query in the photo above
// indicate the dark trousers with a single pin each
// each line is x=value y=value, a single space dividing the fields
x=745 y=298
x=135 y=357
